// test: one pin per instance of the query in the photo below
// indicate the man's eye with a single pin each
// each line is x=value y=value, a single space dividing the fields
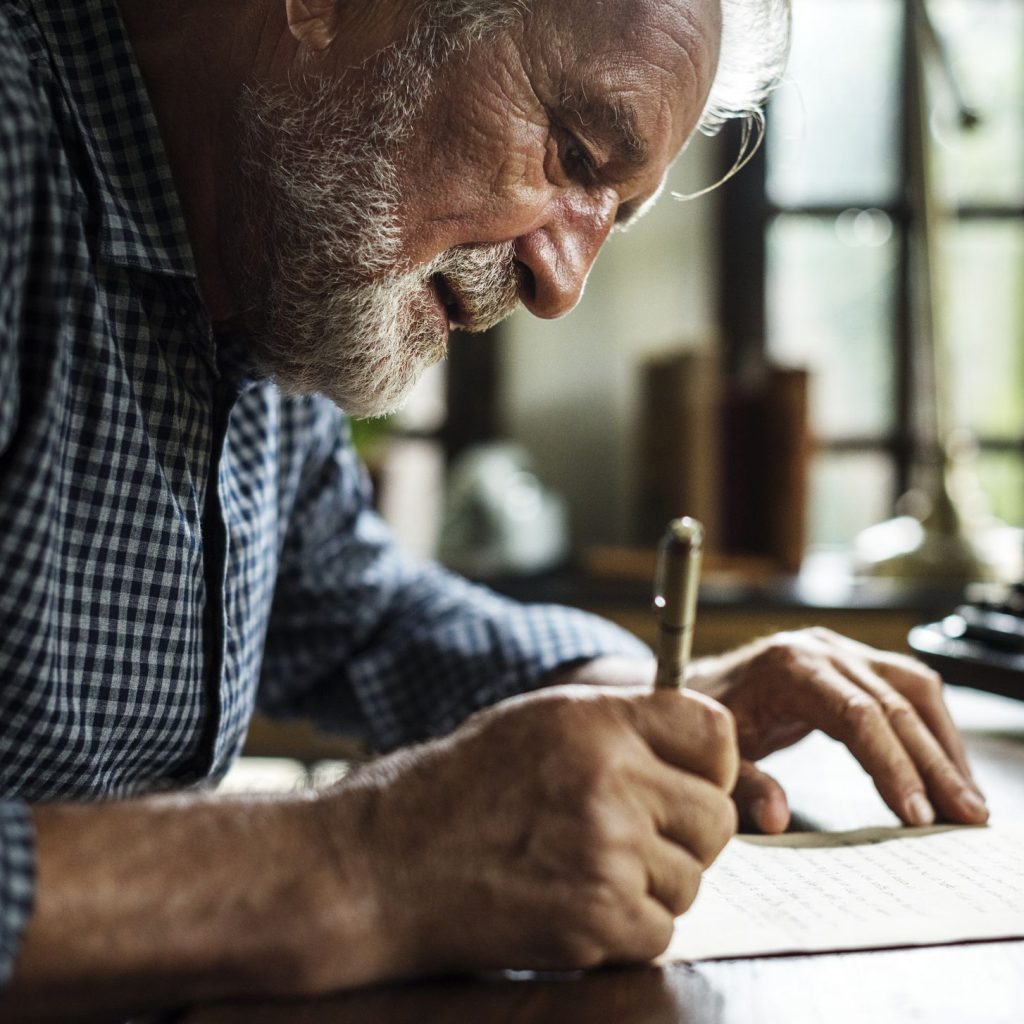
x=579 y=163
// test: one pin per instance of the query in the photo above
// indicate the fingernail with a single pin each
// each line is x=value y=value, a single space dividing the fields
x=972 y=805
x=919 y=811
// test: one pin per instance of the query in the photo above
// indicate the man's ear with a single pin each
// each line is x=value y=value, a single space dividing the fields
x=314 y=23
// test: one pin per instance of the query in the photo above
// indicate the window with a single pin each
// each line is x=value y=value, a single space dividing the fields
x=822 y=227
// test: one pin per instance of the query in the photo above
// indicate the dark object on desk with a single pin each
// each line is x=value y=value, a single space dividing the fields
x=981 y=644
x=733 y=453
x=679 y=461
x=766 y=451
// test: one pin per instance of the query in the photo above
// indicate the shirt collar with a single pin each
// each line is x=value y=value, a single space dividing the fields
x=141 y=221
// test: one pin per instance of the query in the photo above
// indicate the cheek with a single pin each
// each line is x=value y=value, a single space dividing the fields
x=520 y=172
x=490 y=198
x=472 y=176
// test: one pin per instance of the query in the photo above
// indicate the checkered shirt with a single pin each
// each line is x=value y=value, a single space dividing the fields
x=180 y=543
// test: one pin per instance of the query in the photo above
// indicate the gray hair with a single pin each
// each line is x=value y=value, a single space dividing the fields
x=752 y=58
x=475 y=18
x=447 y=26
x=754 y=48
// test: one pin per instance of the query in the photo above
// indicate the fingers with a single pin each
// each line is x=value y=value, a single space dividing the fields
x=641 y=863
x=690 y=811
x=923 y=688
x=691 y=732
x=860 y=720
x=644 y=934
x=673 y=875
x=945 y=784
x=760 y=801
x=921 y=720
x=857 y=720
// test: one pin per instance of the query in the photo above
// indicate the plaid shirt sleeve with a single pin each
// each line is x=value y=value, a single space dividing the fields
x=17 y=881
x=407 y=649
x=19 y=147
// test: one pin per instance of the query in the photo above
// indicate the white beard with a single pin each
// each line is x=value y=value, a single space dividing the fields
x=326 y=309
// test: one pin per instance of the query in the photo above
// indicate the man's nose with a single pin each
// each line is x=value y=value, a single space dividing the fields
x=557 y=256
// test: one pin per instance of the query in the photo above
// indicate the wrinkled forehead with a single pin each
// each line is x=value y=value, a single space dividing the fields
x=647 y=65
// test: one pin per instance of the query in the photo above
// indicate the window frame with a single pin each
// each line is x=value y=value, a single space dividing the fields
x=746 y=214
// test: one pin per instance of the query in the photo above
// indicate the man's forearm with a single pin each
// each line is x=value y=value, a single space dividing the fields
x=578 y=818
x=172 y=900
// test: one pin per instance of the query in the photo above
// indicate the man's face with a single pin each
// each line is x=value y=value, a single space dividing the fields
x=420 y=194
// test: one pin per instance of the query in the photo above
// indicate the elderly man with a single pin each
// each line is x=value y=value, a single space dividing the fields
x=212 y=210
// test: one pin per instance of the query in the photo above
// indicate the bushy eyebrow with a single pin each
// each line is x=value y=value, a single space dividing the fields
x=611 y=119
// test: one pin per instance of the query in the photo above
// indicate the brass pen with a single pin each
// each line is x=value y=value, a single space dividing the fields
x=675 y=596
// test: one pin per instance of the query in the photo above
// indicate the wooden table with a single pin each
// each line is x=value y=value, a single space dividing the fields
x=980 y=983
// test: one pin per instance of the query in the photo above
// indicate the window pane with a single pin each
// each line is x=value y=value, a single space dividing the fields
x=1002 y=477
x=985 y=40
x=849 y=492
x=830 y=306
x=985 y=274
x=833 y=124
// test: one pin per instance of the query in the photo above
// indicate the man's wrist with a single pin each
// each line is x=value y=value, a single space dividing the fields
x=350 y=940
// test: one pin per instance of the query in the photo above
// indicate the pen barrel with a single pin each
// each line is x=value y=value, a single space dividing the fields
x=676 y=596
x=673 y=653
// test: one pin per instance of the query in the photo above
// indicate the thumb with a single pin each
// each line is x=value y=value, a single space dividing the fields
x=760 y=800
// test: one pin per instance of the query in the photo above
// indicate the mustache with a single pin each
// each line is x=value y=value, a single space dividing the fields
x=479 y=284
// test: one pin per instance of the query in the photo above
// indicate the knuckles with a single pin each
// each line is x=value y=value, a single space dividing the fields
x=719 y=728
x=718 y=724
x=822 y=634
x=919 y=682
x=688 y=889
x=784 y=654
x=685 y=884
x=577 y=952
x=779 y=656
x=898 y=711
x=604 y=838
x=653 y=940
x=860 y=713
x=591 y=929
x=596 y=771
x=613 y=927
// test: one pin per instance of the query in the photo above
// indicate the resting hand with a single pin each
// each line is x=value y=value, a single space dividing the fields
x=558 y=830
x=887 y=708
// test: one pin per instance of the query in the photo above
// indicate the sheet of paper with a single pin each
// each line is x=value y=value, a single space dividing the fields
x=872 y=889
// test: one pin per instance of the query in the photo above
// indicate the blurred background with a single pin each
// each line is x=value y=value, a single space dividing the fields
x=801 y=262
